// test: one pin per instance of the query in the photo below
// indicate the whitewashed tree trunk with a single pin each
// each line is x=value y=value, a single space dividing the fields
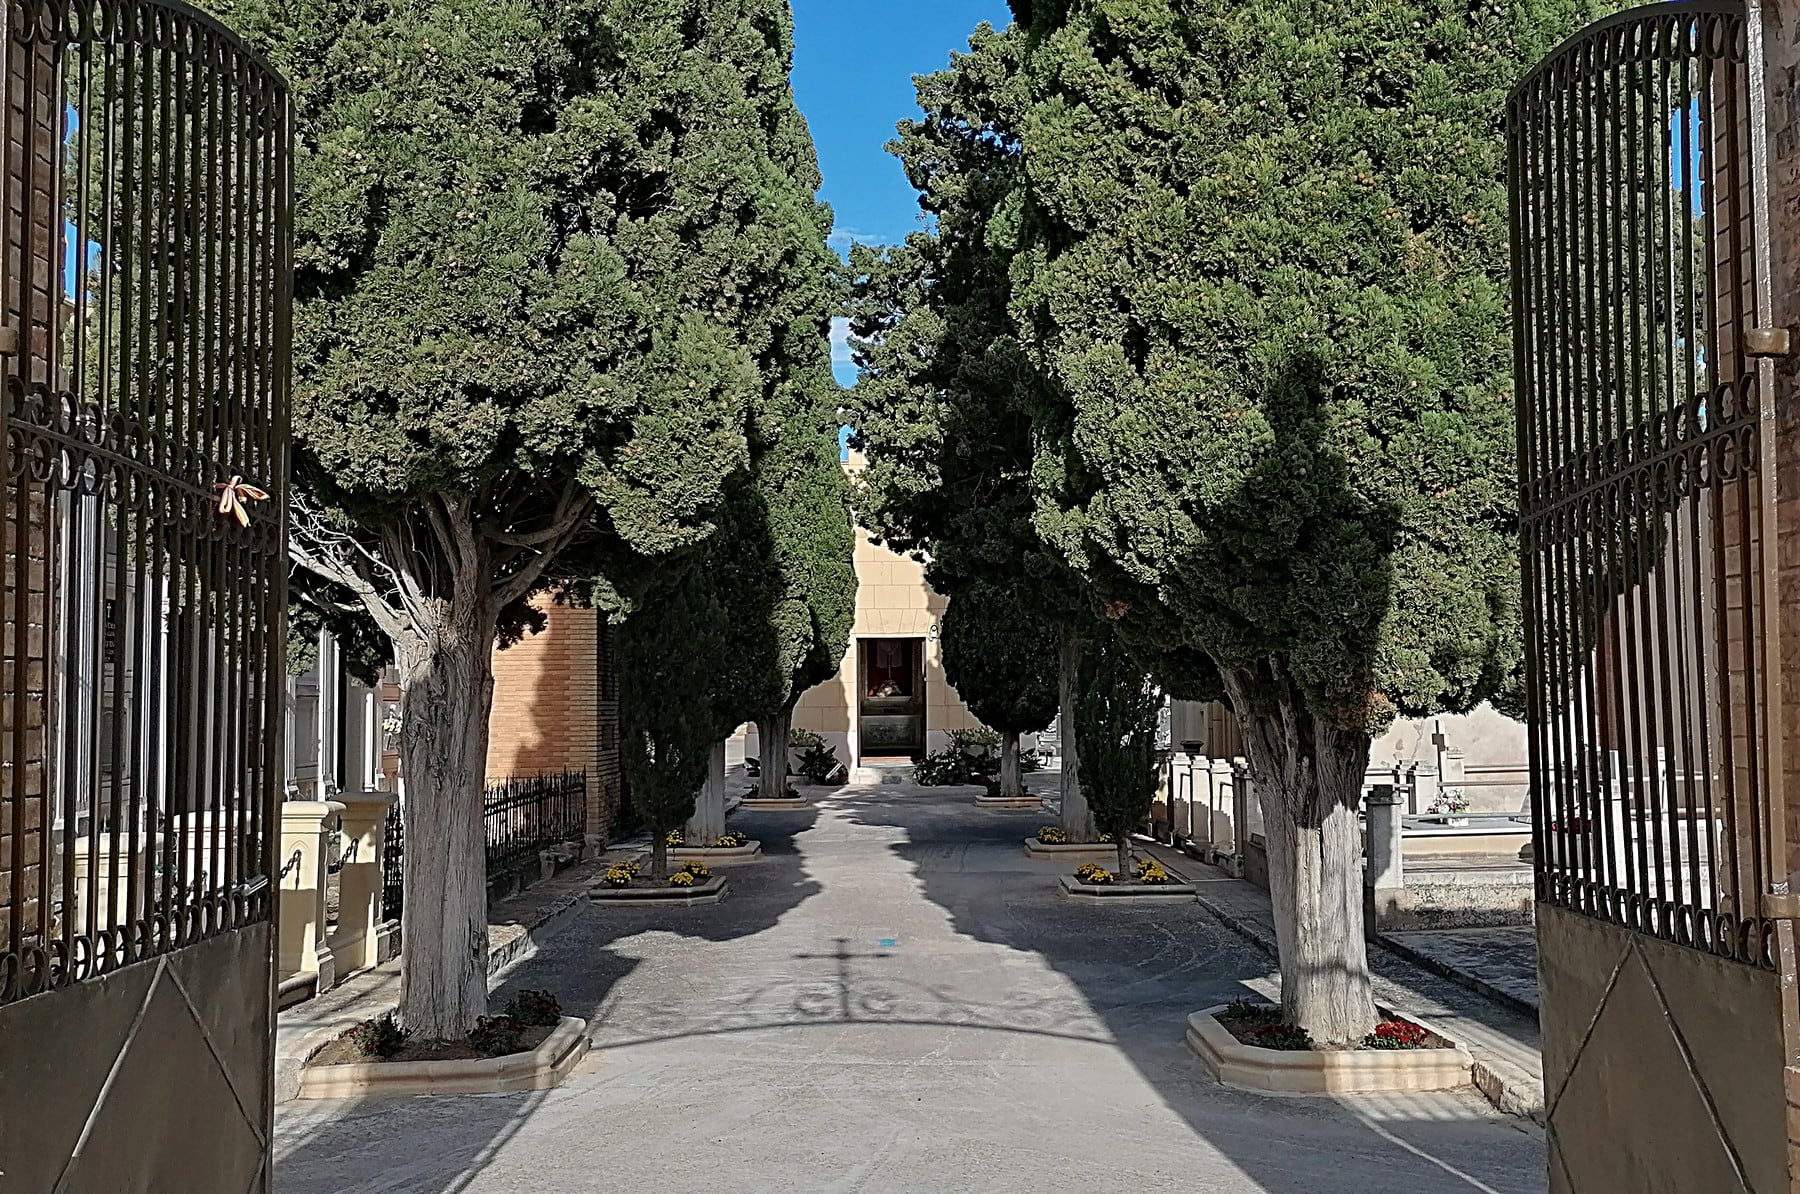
x=772 y=744
x=447 y=692
x=1077 y=818
x=708 y=821
x=1308 y=774
x=1011 y=786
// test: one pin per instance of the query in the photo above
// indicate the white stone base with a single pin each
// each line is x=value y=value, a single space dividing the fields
x=542 y=1068
x=716 y=855
x=985 y=801
x=1077 y=852
x=752 y=804
x=1318 y=1071
x=1127 y=893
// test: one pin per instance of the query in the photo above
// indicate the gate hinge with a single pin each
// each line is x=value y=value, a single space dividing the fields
x=1769 y=342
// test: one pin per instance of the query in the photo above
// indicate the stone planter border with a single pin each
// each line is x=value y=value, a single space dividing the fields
x=709 y=892
x=716 y=855
x=1316 y=1071
x=1075 y=852
x=542 y=1068
x=1128 y=893
x=986 y=801
x=782 y=804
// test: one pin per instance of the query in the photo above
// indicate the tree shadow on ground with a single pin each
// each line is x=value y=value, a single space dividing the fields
x=337 y=1145
x=1140 y=971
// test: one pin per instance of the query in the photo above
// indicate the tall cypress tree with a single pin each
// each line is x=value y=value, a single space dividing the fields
x=941 y=411
x=1000 y=656
x=1264 y=261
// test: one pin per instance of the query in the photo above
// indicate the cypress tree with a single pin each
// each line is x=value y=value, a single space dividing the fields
x=942 y=408
x=1000 y=656
x=1116 y=721
x=1264 y=261
x=527 y=235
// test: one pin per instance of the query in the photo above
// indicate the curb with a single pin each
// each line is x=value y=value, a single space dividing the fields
x=1511 y=1090
x=1462 y=979
x=554 y=920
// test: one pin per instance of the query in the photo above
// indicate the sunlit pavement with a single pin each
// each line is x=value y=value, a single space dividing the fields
x=897 y=999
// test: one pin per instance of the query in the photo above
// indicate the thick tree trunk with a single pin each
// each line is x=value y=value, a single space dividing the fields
x=772 y=743
x=1308 y=774
x=708 y=821
x=1124 y=844
x=1011 y=787
x=447 y=691
x=1077 y=818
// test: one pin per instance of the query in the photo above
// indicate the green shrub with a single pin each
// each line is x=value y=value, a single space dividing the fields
x=534 y=1009
x=497 y=1036
x=382 y=1038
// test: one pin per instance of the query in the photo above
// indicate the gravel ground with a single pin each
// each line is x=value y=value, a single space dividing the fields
x=895 y=998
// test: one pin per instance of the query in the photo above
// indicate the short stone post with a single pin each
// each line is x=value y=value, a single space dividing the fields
x=708 y=821
x=301 y=948
x=1384 y=870
x=364 y=828
x=1220 y=812
x=1422 y=787
x=112 y=901
x=1454 y=777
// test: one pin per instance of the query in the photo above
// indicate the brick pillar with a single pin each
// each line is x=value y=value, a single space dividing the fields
x=1780 y=23
x=30 y=116
x=556 y=709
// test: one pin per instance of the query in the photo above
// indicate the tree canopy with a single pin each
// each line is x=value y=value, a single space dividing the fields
x=545 y=267
x=1263 y=264
x=1000 y=656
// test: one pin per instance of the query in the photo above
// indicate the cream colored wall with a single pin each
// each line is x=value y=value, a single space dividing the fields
x=892 y=601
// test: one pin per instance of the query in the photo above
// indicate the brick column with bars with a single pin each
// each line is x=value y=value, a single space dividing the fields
x=556 y=708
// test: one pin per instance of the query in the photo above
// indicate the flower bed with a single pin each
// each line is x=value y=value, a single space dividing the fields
x=530 y=1045
x=1246 y=1044
x=692 y=883
x=727 y=848
x=1052 y=841
x=1148 y=881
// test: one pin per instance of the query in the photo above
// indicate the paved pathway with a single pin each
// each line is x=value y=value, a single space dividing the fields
x=896 y=999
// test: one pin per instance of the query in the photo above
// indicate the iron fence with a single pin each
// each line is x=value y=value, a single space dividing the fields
x=144 y=329
x=393 y=855
x=1639 y=235
x=526 y=815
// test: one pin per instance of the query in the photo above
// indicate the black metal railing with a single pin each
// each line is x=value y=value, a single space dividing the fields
x=393 y=864
x=144 y=362
x=1646 y=440
x=526 y=815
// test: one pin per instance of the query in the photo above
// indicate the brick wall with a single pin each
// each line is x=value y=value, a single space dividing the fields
x=556 y=708
x=27 y=292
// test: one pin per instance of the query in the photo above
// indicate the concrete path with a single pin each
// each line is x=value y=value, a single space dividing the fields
x=896 y=999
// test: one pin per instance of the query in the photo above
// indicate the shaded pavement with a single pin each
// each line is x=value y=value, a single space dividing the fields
x=896 y=998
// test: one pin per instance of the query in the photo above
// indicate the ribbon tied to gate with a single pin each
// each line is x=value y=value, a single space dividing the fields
x=232 y=496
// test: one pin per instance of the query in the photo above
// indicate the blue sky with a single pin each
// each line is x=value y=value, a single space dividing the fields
x=854 y=61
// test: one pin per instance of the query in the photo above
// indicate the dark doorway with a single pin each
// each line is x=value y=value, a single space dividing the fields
x=891 y=697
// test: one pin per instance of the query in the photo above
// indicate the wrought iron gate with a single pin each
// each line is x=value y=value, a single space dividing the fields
x=144 y=324
x=1648 y=510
